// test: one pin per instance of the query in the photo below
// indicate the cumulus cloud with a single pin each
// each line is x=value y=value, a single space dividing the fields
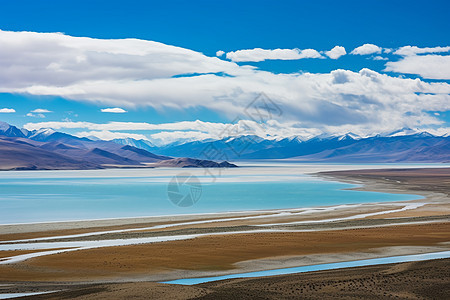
x=334 y=103
x=419 y=61
x=366 y=49
x=413 y=50
x=379 y=58
x=258 y=54
x=108 y=135
x=116 y=110
x=7 y=110
x=427 y=66
x=220 y=53
x=341 y=99
x=336 y=52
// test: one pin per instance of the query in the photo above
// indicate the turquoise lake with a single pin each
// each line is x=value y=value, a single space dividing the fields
x=41 y=196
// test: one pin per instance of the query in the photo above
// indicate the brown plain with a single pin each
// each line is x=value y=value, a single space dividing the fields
x=216 y=252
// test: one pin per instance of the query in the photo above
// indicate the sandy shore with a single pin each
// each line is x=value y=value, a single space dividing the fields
x=226 y=243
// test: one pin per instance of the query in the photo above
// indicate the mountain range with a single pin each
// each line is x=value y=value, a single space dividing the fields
x=47 y=149
x=405 y=145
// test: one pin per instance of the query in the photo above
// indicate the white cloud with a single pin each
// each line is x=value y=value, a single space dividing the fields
x=214 y=128
x=366 y=49
x=108 y=135
x=413 y=50
x=55 y=61
x=33 y=115
x=135 y=73
x=116 y=110
x=427 y=66
x=7 y=110
x=164 y=138
x=179 y=131
x=310 y=53
x=40 y=111
x=379 y=58
x=220 y=53
x=338 y=98
x=420 y=62
x=192 y=131
x=336 y=52
x=258 y=54
x=334 y=103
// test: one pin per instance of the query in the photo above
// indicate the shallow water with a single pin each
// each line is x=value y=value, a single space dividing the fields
x=42 y=196
x=320 y=267
x=17 y=295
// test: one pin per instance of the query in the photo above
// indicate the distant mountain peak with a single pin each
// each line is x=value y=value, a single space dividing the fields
x=402 y=132
x=425 y=134
x=4 y=126
x=349 y=135
x=246 y=137
x=10 y=130
x=43 y=132
x=294 y=138
x=142 y=144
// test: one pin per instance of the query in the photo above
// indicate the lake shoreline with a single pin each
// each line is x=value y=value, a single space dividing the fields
x=338 y=227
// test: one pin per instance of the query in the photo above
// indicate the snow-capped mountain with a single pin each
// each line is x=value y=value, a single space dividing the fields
x=49 y=149
x=41 y=134
x=402 y=132
x=143 y=144
x=11 y=131
x=396 y=147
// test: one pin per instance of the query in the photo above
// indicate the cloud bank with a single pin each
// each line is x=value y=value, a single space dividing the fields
x=166 y=133
x=133 y=73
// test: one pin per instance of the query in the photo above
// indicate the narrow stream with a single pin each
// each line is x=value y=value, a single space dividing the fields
x=320 y=267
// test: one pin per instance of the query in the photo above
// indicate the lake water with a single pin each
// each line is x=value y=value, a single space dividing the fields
x=320 y=267
x=17 y=295
x=41 y=196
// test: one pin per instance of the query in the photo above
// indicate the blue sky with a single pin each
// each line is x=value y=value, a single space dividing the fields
x=209 y=26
